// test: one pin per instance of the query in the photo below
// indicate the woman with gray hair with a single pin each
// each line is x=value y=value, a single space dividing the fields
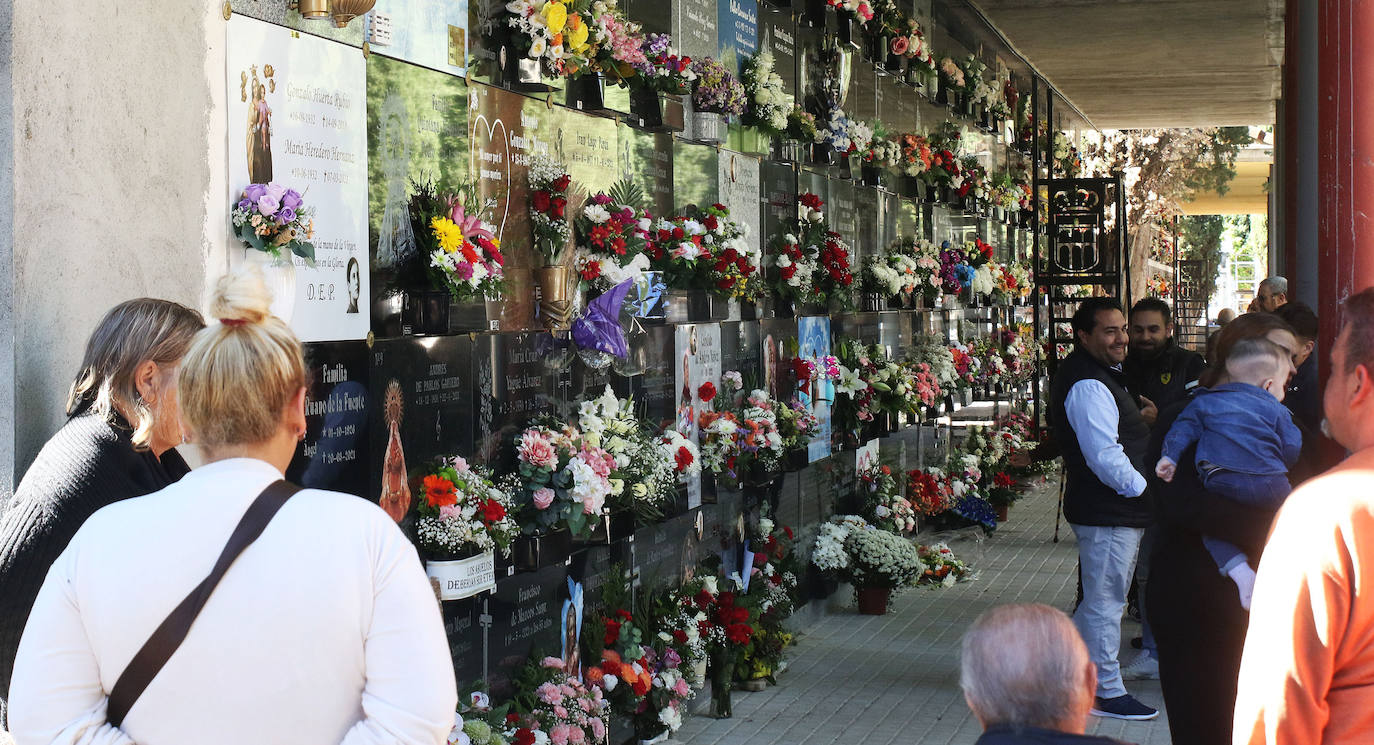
x=122 y=426
x=1027 y=677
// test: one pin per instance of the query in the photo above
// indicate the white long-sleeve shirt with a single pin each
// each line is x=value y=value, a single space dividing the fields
x=1093 y=414
x=325 y=630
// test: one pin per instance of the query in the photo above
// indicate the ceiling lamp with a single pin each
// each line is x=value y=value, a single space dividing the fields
x=313 y=10
x=346 y=10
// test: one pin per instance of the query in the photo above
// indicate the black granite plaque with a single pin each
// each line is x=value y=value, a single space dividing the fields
x=868 y=213
x=424 y=395
x=464 y=632
x=789 y=502
x=526 y=613
x=667 y=553
x=513 y=386
x=338 y=412
x=654 y=391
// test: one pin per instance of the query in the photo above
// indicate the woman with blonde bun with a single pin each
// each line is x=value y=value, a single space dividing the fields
x=323 y=630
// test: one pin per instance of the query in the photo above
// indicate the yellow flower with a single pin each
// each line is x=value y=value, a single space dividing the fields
x=555 y=16
x=577 y=34
x=448 y=234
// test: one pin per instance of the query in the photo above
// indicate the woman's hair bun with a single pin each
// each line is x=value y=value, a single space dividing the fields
x=241 y=295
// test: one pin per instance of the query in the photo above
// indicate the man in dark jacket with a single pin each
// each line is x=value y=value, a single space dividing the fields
x=1156 y=367
x=1103 y=435
x=1161 y=372
x=1027 y=677
x=1304 y=396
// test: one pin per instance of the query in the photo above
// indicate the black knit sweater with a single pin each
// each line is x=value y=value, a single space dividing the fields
x=88 y=464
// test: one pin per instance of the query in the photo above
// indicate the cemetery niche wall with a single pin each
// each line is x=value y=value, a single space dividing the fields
x=619 y=335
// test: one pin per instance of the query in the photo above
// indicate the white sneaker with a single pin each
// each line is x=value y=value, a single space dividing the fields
x=1144 y=667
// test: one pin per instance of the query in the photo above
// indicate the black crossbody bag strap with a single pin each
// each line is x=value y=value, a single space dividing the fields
x=164 y=642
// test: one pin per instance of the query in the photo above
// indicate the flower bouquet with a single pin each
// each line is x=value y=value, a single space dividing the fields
x=644 y=478
x=548 y=202
x=944 y=174
x=833 y=280
x=464 y=255
x=768 y=103
x=727 y=629
x=919 y=262
x=272 y=218
x=882 y=153
x=772 y=591
x=796 y=251
x=562 y=480
x=661 y=71
x=928 y=490
x=911 y=43
x=941 y=567
x=740 y=441
x=716 y=94
x=915 y=160
x=463 y=513
x=546 y=38
x=883 y=501
x=612 y=233
x=553 y=702
x=951 y=82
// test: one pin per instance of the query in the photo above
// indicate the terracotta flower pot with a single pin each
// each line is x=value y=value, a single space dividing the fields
x=873 y=600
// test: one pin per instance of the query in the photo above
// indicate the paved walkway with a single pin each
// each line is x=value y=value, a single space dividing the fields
x=894 y=678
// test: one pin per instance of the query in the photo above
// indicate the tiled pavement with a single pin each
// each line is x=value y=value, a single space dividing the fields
x=894 y=678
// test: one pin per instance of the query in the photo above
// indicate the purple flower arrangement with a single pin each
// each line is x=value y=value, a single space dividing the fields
x=663 y=69
x=715 y=90
x=271 y=217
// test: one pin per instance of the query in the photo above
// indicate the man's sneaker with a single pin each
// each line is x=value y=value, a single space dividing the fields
x=1122 y=707
x=1145 y=667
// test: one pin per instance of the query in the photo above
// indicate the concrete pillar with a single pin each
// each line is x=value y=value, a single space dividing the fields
x=1345 y=164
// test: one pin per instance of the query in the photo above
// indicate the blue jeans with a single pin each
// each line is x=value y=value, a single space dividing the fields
x=1106 y=555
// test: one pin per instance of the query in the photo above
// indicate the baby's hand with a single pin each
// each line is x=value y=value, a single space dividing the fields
x=1164 y=469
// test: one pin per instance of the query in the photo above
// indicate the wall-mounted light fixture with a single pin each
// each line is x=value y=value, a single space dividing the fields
x=342 y=11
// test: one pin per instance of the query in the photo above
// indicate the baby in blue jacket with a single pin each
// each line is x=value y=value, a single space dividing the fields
x=1246 y=441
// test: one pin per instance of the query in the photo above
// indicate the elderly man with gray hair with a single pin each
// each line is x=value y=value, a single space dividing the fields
x=1027 y=677
x=1272 y=294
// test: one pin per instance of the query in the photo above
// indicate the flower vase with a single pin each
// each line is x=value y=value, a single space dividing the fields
x=280 y=276
x=872 y=175
x=873 y=302
x=555 y=288
x=646 y=108
x=585 y=93
x=877 y=51
x=657 y=739
x=873 y=601
x=909 y=186
x=722 y=681
x=533 y=552
x=708 y=127
x=519 y=72
x=894 y=62
x=822 y=154
x=917 y=76
x=939 y=91
x=786 y=151
x=846 y=167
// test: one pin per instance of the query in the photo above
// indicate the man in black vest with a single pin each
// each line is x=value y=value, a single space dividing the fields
x=1162 y=373
x=1103 y=437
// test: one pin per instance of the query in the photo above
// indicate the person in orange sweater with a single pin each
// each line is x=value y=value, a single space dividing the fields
x=1307 y=674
